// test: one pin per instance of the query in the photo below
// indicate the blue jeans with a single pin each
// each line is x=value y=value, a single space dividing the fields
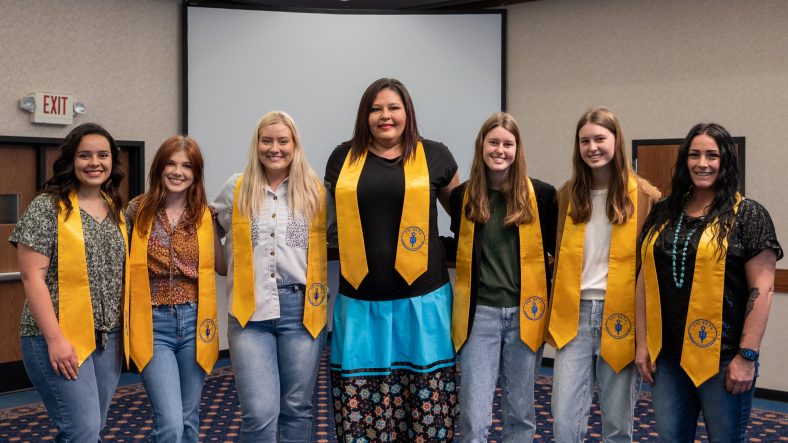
x=173 y=378
x=275 y=363
x=77 y=407
x=578 y=367
x=677 y=404
x=494 y=347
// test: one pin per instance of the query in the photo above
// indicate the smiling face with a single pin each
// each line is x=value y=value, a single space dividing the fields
x=387 y=118
x=275 y=151
x=93 y=161
x=703 y=162
x=597 y=146
x=178 y=175
x=499 y=151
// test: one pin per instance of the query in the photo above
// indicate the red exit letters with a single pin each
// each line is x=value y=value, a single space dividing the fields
x=55 y=104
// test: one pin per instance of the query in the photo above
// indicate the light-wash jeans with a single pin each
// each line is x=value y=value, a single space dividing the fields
x=677 y=404
x=173 y=378
x=578 y=367
x=494 y=347
x=275 y=364
x=77 y=407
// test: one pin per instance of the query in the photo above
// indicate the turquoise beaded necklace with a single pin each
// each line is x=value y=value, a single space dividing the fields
x=678 y=280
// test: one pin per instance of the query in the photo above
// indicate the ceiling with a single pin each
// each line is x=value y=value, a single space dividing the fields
x=374 y=5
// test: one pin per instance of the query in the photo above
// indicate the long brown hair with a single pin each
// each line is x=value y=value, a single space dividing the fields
x=153 y=200
x=619 y=206
x=362 y=136
x=514 y=188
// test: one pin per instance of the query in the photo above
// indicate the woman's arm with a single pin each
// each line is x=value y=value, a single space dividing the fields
x=219 y=262
x=760 y=279
x=33 y=268
x=642 y=357
x=444 y=193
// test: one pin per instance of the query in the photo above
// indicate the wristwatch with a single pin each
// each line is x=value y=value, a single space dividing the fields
x=748 y=354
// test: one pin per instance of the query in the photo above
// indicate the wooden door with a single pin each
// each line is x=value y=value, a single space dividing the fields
x=17 y=178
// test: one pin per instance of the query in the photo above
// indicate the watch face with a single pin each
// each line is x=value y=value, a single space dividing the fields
x=749 y=354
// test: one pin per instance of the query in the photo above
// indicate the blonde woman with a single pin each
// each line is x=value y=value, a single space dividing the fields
x=273 y=217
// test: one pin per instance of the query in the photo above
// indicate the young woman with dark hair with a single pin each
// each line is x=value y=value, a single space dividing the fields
x=704 y=293
x=392 y=361
x=72 y=249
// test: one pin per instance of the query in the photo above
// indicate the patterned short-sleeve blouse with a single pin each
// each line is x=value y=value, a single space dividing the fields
x=105 y=251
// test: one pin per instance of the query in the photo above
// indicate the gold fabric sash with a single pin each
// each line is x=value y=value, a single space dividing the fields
x=316 y=296
x=618 y=339
x=533 y=281
x=75 y=308
x=700 y=350
x=141 y=331
x=243 y=268
x=413 y=238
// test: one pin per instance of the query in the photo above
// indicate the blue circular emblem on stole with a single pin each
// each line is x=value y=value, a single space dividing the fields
x=702 y=333
x=534 y=307
x=412 y=238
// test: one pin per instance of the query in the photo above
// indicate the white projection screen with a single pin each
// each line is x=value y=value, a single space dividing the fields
x=242 y=63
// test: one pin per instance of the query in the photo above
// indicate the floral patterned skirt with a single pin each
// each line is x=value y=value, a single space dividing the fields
x=392 y=369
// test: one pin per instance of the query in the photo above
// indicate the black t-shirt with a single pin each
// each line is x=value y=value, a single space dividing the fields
x=752 y=232
x=381 y=192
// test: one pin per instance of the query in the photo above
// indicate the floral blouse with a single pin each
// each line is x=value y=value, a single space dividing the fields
x=173 y=258
x=105 y=251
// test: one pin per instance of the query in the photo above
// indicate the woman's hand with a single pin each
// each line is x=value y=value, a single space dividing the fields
x=644 y=365
x=63 y=357
x=740 y=375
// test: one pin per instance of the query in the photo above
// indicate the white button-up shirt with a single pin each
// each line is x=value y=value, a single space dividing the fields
x=279 y=246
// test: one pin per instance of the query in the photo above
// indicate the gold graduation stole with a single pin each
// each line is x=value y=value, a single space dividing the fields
x=316 y=296
x=75 y=309
x=533 y=281
x=413 y=239
x=141 y=331
x=700 y=350
x=315 y=306
x=618 y=338
x=243 y=268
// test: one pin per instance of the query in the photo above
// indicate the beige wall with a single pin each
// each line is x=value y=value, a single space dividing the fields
x=122 y=58
x=662 y=66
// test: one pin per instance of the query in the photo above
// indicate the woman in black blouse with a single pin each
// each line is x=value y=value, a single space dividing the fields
x=704 y=293
x=392 y=360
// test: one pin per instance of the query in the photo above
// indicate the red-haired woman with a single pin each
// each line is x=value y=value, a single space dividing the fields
x=172 y=335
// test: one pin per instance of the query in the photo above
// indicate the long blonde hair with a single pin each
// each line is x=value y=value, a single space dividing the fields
x=619 y=206
x=514 y=188
x=303 y=193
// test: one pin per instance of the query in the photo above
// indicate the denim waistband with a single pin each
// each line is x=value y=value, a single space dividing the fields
x=294 y=286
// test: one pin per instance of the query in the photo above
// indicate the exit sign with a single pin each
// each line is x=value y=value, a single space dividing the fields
x=53 y=108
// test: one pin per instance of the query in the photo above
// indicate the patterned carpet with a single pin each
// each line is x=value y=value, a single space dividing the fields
x=130 y=416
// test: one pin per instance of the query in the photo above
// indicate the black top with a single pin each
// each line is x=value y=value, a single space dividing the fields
x=548 y=215
x=381 y=192
x=752 y=232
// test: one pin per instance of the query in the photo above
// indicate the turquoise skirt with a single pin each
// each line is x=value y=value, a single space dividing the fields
x=376 y=337
x=392 y=369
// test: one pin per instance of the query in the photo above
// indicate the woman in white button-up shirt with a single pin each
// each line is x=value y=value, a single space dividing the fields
x=274 y=357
